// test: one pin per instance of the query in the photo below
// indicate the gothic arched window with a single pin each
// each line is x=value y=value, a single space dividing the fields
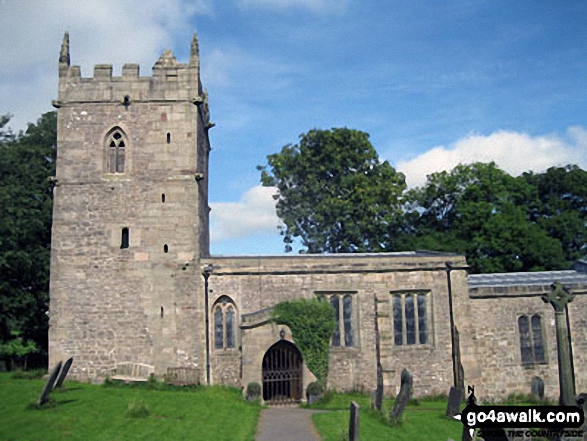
x=116 y=143
x=531 y=340
x=224 y=313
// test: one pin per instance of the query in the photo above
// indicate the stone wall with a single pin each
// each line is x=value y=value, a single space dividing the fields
x=256 y=284
x=494 y=337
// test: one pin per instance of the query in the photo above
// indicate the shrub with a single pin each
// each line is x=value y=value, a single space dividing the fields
x=315 y=388
x=253 y=391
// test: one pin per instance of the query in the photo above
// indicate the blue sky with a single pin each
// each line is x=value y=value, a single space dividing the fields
x=433 y=83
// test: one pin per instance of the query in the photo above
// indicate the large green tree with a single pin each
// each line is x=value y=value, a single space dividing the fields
x=485 y=213
x=26 y=161
x=335 y=194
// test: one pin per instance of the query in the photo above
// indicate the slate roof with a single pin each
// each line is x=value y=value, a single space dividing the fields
x=541 y=278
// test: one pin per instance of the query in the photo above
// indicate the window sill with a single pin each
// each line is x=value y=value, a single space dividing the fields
x=534 y=364
x=345 y=349
x=226 y=352
x=418 y=347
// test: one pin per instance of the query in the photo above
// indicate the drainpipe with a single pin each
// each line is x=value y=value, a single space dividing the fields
x=206 y=273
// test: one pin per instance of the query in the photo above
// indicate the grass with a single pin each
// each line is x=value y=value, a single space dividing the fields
x=422 y=420
x=89 y=412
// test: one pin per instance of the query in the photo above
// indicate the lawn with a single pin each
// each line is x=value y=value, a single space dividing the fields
x=89 y=412
x=423 y=421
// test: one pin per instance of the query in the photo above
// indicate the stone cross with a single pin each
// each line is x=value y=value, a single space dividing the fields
x=44 y=397
x=354 y=422
x=403 y=397
x=559 y=298
x=63 y=373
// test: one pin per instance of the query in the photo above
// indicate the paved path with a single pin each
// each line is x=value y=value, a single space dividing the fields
x=286 y=424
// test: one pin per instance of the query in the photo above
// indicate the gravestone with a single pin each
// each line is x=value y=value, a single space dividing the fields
x=537 y=388
x=403 y=397
x=63 y=373
x=454 y=402
x=581 y=401
x=49 y=385
x=354 y=422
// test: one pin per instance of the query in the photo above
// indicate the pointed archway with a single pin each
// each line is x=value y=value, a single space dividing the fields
x=282 y=374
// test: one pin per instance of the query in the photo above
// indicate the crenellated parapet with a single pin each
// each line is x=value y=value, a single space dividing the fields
x=171 y=81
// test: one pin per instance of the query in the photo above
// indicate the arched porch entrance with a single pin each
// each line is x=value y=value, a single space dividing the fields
x=282 y=374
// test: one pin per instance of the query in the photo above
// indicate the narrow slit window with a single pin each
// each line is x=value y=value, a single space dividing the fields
x=398 y=321
x=162 y=311
x=525 y=340
x=218 y=328
x=124 y=239
x=410 y=321
x=230 y=327
x=168 y=138
x=165 y=248
x=537 y=339
x=347 y=313
x=336 y=334
x=422 y=328
x=163 y=198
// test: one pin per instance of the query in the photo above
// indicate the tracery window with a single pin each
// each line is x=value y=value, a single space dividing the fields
x=344 y=332
x=410 y=318
x=116 y=143
x=531 y=339
x=224 y=313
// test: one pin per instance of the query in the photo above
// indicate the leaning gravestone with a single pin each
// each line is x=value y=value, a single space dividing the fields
x=537 y=388
x=403 y=397
x=354 y=422
x=49 y=385
x=63 y=373
x=454 y=402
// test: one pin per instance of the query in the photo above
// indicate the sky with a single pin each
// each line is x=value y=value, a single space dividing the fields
x=434 y=84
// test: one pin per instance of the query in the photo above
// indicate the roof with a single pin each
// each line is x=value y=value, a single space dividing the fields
x=540 y=278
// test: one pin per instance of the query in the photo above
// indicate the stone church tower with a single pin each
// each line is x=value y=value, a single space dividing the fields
x=130 y=216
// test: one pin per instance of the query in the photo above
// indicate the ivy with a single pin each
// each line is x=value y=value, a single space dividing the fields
x=312 y=323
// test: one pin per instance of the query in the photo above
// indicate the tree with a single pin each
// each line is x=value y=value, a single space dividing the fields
x=335 y=194
x=483 y=212
x=26 y=161
x=560 y=207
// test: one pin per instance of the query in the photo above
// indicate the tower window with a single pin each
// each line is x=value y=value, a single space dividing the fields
x=163 y=197
x=125 y=238
x=165 y=248
x=116 y=151
x=168 y=138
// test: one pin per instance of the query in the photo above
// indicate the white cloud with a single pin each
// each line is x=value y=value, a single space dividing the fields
x=101 y=31
x=312 y=5
x=254 y=214
x=513 y=152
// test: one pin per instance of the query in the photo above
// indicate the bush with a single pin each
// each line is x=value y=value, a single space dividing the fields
x=253 y=391
x=137 y=409
x=315 y=388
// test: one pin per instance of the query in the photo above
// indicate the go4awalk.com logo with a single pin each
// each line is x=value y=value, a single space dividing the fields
x=517 y=417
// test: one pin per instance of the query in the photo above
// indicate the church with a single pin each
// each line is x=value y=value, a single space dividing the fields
x=134 y=287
